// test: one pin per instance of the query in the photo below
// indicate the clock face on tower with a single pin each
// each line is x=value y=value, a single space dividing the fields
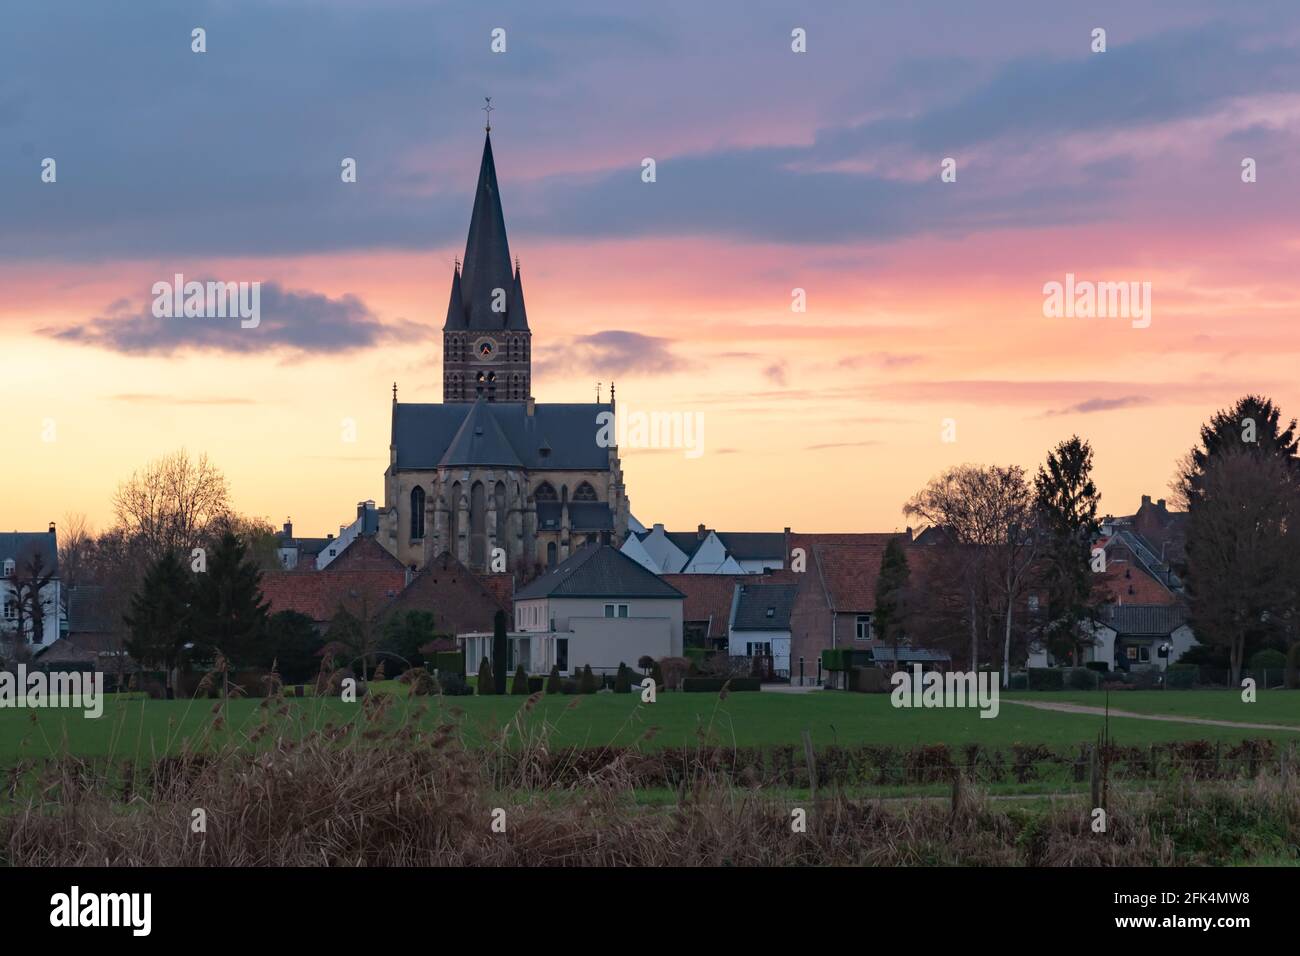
x=485 y=350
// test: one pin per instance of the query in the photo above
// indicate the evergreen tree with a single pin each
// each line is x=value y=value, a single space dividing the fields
x=1254 y=425
x=1067 y=502
x=519 y=687
x=623 y=681
x=499 y=651
x=553 y=685
x=291 y=643
x=887 y=622
x=229 y=611
x=159 y=618
x=587 y=682
x=486 y=685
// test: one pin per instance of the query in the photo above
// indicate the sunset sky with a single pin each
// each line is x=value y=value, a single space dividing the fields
x=775 y=171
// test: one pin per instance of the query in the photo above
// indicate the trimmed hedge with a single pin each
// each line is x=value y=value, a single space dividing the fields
x=1182 y=676
x=452 y=662
x=714 y=684
x=833 y=659
x=1046 y=678
x=1081 y=678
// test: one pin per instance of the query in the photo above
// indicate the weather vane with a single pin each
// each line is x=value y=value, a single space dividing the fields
x=487 y=110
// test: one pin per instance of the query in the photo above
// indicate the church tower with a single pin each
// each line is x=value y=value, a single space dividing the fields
x=486 y=342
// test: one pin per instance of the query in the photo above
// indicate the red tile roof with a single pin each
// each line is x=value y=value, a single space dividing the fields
x=708 y=597
x=847 y=565
x=319 y=594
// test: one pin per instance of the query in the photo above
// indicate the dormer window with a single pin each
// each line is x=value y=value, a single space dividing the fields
x=9 y=567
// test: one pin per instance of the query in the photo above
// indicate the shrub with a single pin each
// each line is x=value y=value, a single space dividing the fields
x=486 y=685
x=673 y=670
x=587 y=681
x=623 y=682
x=833 y=659
x=454 y=685
x=645 y=662
x=1020 y=681
x=1267 y=659
x=1100 y=666
x=1046 y=678
x=519 y=686
x=569 y=687
x=870 y=680
x=553 y=682
x=1181 y=676
x=657 y=675
x=1080 y=678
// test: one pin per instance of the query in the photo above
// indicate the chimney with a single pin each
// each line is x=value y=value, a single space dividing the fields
x=659 y=527
x=51 y=527
x=288 y=527
x=1146 y=500
x=1161 y=504
x=530 y=406
x=699 y=532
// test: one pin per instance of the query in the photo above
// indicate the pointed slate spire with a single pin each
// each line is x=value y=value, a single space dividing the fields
x=487 y=252
x=456 y=307
x=517 y=315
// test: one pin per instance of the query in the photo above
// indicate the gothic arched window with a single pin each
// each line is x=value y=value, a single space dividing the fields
x=584 y=492
x=417 y=513
x=545 y=492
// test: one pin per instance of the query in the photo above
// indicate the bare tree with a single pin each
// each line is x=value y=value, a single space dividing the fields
x=171 y=504
x=30 y=599
x=76 y=538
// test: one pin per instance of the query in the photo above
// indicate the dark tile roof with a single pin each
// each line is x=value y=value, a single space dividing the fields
x=883 y=652
x=764 y=607
x=753 y=545
x=1144 y=620
x=598 y=570
x=20 y=545
x=423 y=433
x=480 y=441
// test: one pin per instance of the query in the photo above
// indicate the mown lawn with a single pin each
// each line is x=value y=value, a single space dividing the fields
x=144 y=728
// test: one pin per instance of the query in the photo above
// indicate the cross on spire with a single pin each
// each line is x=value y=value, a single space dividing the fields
x=487 y=111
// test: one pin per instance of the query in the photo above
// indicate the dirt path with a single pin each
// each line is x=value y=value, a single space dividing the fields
x=1068 y=708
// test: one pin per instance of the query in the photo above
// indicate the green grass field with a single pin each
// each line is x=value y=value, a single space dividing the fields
x=1270 y=707
x=140 y=729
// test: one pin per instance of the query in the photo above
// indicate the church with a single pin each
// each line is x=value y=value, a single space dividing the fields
x=496 y=479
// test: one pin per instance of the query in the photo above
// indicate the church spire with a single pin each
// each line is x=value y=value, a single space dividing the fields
x=487 y=252
x=456 y=307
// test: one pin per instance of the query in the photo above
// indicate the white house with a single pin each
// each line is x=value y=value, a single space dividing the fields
x=22 y=553
x=759 y=625
x=1130 y=637
x=599 y=607
x=705 y=551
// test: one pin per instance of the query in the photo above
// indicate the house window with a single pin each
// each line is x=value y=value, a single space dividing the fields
x=863 y=632
x=562 y=653
x=1132 y=653
x=9 y=567
x=1144 y=655
x=758 y=649
x=11 y=610
x=1033 y=602
x=616 y=610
